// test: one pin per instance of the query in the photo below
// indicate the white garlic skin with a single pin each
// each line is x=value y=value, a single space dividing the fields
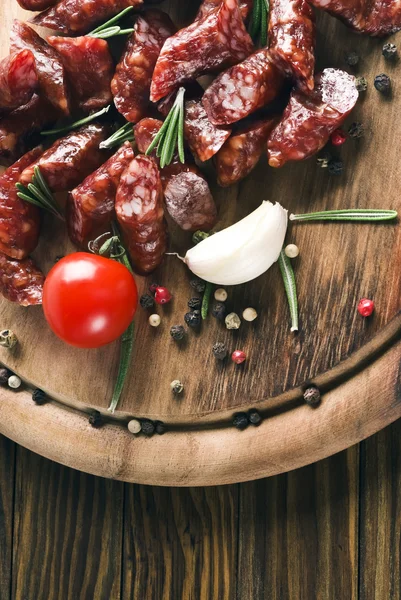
x=243 y=251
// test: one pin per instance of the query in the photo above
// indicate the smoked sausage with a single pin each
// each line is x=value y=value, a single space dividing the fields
x=21 y=281
x=36 y=4
x=18 y=80
x=189 y=202
x=139 y=210
x=204 y=138
x=208 y=5
x=90 y=207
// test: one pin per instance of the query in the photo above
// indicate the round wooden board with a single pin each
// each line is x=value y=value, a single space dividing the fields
x=354 y=360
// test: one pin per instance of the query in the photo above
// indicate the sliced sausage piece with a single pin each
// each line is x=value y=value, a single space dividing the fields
x=208 y=5
x=131 y=82
x=243 y=89
x=36 y=4
x=90 y=207
x=18 y=80
x=19 y=220
x=145 y=132
x=72 y=158
x=90 y=69
x=377 y=17
x=21 y=281
x=139 y=210
x=217 y=41
x=190 y=203
x=292 y=39
x=310 y=119
x=18 y=128
x=75 y=17
x=204 y=138
x=242 y=151
x=51 y=73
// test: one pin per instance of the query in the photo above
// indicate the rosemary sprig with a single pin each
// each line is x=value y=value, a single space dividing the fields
x=108 y=24
x=290 y=288
x=38 y=193
x=114 y=249
x=207 y=294
x=259 y=22
x=171 y=134
x=352 y=214
x=77 y=124
x=124 y=134
x=111 y=32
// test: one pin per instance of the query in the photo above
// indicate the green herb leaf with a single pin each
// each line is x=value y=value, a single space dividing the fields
x=124 y=134
x=108 y=24
x=356 y=214
x=170 y=137
x=206 y=300
x=38 y=193
x=259 y=22
x=290 y=288
x=79 y=123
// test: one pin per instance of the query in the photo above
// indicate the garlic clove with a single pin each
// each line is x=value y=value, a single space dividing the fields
x=243 y=251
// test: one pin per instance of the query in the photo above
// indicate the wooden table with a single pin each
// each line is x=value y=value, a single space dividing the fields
x=327 y=531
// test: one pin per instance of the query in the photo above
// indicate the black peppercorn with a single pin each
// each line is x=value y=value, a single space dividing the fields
x=160 y=428
x=198 y=285
x=148 y=427
x=177 y=332
x=356 y=130
x=312 y=395
x=219 y=310
x=95 y=419
x=195 y=303
x=240 y=421
x=39 y=397
x=220 y=350
x=352 y=59
x=382 y=83
x=193 y=319
x=361 y=84
x=335 y=166
x=4 y=375
x=254 y=417
x=389 y=51
x=153 y=287
x=147 y=301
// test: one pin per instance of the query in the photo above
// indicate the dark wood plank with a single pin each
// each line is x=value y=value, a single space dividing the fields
x=298 y=533
x=7 y=478
x=180 y=544
x=67 y=533
x=380 y=529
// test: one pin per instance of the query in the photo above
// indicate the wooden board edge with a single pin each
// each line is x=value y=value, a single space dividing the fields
x=351 y=412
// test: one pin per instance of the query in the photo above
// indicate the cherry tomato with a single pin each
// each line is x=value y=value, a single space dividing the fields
x=89 y=300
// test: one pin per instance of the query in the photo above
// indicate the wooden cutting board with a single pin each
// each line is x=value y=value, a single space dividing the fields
x=355 y=361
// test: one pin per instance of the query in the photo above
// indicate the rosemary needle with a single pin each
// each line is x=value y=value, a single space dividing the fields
x=290 y=288
x=352 y=214
x=171 y=134
x=38 y=193
x=77 y=124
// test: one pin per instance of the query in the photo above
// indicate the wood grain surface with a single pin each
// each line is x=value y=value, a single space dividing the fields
x=329 y=531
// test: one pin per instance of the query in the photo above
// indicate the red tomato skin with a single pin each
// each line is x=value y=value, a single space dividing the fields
x=88 y=300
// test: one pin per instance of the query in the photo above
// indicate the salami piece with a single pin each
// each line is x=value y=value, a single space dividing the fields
x=244 y=88
x=90 y=69
x=242 y=151
x=208 y=5
x=145 y=132
x=292 y=39
x=19 y=220
x=204 y=138
x=21 y=281
x=139 y=210
x=74 y=17
x=377 y=18
x=72 y=158
x=19 y=127
x=217 y=41
x=90 y=207
x=51 y=73
x=18 y=80
x=131 y=83
x=36 y=4
x=310 y=118
x=190 y=203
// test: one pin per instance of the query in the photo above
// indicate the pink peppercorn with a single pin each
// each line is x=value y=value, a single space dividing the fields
x=366 y=307
x=338 y=137
x=238 y=357
x=162 y=295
